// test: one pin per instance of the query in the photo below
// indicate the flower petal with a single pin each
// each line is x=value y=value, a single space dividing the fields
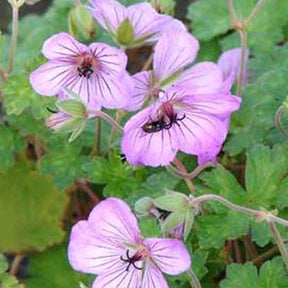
x=153 y=278
x=62 y=45
x=167 y=58
x=49 y=78
x=205 y=77
x=111 y=91
x=142 y=89
x=108 y=13
x=117 y=278
x=142 y=148
x=89 y=254
x=112 y=219
x=170 y=255
x=111 y=60
x=229 y=63
x=144 y=19
x=218 y=104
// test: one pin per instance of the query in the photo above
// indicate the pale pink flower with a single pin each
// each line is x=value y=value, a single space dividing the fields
x=173 y=56
x=109 y=244
x=147 y=25
x=180 y=120
x=95 y=72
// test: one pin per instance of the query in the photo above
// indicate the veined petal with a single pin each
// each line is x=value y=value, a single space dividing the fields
x=118 y=277
x=111 y=60
x=144 y=19
x=89 y=254
x=229 y=63
x=112 y=219
x=49 y=78
x=111 y=91
x=142 y=89
x=153 y=277
x=167 y=58
x=205 y=77
x=218 y=104
x=142 y=148
x=108 y=13
x=170 y=255
x=199 y=132
x=62 y=45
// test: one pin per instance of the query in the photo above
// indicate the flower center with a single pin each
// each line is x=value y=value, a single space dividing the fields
x=86 y=67
x=166 y=118
x=140 y=254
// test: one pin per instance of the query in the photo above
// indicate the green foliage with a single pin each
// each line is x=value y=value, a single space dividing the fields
x=272 y=275
x=263 y=32
x=64 y=161
x=10 y=143
x=51 y=269
x=34 y=208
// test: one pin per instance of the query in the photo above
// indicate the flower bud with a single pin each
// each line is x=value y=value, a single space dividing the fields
x=80 y=22
x=72 y=107
x=125 y=33
x=143 y=206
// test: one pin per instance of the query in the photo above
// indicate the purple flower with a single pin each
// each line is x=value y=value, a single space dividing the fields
x=172 y=61
x=109 y=244
x=181 y=119
x=141 y=21
x=96 y=73
x=230 y=62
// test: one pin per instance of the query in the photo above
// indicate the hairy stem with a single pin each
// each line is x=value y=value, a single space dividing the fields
x=192 y=174
x=279 y=242
x=278 y=117
x=148 y=63
x=255 y=11
x=13 y=43
x=106 y=117
x=182 y=169
x=193 y=279
x=232 y=11
x=260 y=215
x=244 y=45
x=15 y=264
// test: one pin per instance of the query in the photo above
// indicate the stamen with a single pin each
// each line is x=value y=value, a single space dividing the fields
x=132 y=260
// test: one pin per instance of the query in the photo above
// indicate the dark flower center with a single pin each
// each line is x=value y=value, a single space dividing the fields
x=167 y=117
x=85 y=69
x=138 y=256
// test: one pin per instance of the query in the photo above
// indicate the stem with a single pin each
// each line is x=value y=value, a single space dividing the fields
x=237 y=251
x=85 y=187
x=182 y=169
x=279 y=242
x=254 y=12
x=244 y=43
x=148 y=63
x=106 y=117
x=278 y=116
x=193 y=280
x=260 y=215
x=192 y=174
x=232 y=11
x=15 y=264
x=3 y=75
x=114 y=130
x=13 y=43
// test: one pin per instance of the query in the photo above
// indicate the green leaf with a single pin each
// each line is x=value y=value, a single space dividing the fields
x=272 y=275
x=19 y=96
x=264 y=31
x=3 y=264
x=34 y=210
x=10 y=143
x=119 y=177
x=51 y=269
x=254 y=123
x=63 y=161
x=125 y=32
x=214 y=230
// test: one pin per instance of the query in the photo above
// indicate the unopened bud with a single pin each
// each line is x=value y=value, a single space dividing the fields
x=125 y=33
x=80 y=21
